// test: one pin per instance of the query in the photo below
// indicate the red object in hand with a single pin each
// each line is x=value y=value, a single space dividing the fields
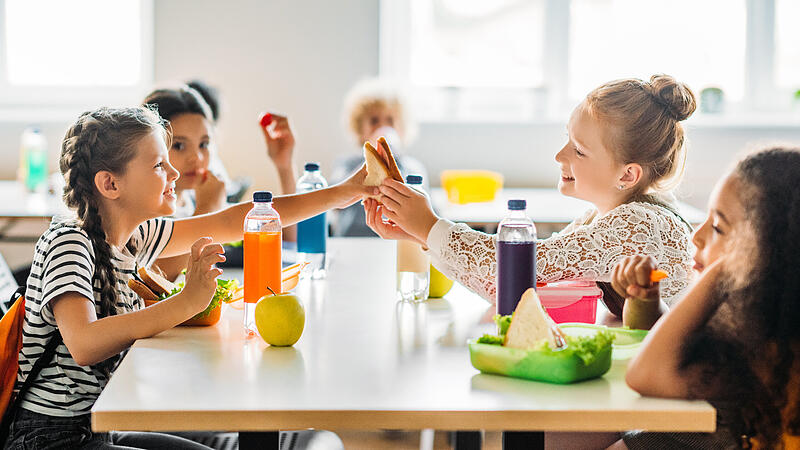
x=266 y=119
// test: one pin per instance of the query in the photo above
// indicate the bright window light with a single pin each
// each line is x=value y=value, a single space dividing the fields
x=787 y=44
x=73 y=43
x=701 y=43
x=475 y=43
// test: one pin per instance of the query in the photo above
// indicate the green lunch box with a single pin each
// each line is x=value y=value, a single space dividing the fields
x=561 y=367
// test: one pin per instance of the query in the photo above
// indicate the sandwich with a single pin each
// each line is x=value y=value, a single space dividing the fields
x=531 y=325
x=152 y=288
x=380 y=163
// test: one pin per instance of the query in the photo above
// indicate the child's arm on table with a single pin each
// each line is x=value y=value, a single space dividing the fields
x=655 y=370
x=227 y=225
x=91 y=340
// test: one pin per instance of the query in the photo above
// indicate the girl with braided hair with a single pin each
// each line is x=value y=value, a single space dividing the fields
x=120 y=183
x=624 y=151
x=733 y=339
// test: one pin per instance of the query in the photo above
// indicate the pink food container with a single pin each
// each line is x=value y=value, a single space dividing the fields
x=571 y=301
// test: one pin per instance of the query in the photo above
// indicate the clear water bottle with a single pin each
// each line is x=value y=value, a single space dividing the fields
x=262 y=256
x=516 y=257
x=33 y=160
x=413 y=265
x=312 y=234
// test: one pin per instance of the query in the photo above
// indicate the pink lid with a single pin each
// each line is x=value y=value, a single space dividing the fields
x=565 y=293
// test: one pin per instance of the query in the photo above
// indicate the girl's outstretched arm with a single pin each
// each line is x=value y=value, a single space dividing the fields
x=655 y=371
x=91 y=340
x=227 y=225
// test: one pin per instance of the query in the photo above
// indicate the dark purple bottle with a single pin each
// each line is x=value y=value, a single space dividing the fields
x=516 y=257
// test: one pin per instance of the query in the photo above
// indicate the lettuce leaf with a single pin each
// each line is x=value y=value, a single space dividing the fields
x=224 y=293
x=503 y=323
x=584 y=347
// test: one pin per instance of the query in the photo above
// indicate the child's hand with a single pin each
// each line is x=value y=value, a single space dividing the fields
x=280 y=142
x=201 y=274
x=209 y=194
x=407 y=208
x=386 y=230
x=352 y=189
x=631 y=278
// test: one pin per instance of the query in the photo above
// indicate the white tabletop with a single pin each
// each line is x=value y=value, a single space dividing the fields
x=17 y=203
x=545 y=206
x=365 y=361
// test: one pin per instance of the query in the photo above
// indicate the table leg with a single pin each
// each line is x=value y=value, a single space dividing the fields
x=467 y=440
x=529 y=440
x=262 y=440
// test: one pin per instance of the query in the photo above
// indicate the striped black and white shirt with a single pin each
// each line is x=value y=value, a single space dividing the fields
x=64 y=262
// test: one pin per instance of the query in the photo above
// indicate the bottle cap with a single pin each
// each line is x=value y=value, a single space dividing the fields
x=414 y=179
x=517 y=205
x=262 y=196
x=312 y=166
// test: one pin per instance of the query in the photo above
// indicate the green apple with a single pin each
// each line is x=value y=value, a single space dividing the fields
x=440 y=284
x=280 y=319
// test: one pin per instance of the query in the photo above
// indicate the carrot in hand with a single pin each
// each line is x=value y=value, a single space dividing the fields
x=657 y=275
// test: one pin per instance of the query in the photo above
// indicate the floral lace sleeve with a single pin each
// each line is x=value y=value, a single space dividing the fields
x=579 y=252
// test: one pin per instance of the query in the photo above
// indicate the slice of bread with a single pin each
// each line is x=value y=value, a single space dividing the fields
x=388 y=158
x=142 y=290
x=376 y=167
x=530 y=324
x=156 y=283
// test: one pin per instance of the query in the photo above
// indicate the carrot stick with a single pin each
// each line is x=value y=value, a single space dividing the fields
x=657 y=275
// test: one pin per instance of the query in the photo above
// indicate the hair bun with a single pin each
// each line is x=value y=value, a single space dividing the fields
x=675 y=97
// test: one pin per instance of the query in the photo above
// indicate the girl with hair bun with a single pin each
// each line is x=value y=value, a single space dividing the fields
x=121 y=184
x=625 y=149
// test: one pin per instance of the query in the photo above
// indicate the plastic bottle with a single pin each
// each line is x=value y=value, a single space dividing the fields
x=413 y=265
x=262 y=255
x=516 y=257
x=312 y=234
x=33 y=160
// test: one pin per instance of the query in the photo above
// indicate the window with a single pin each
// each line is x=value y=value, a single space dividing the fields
x=526 y=60
x=75 y=52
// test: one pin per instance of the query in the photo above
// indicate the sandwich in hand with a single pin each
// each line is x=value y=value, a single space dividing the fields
x=152 y=287
x=380 y=163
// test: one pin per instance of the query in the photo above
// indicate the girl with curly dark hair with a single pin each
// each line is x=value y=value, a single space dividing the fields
x=734 y=339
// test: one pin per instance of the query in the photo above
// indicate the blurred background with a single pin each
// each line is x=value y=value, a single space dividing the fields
x=491 y=84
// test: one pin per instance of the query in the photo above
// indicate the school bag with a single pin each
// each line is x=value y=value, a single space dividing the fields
x=10 y=346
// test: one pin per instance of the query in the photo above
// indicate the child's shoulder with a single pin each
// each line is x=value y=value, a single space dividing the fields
x=648 y=213
x=63 y=230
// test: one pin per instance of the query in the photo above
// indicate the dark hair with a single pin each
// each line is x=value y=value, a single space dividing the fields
x=171 y=103
x=750 y=342
x=209 y=94
x=104 y=139
x=643 y=118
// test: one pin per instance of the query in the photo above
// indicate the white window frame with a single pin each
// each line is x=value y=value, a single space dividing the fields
x=762 y=98
x=53 y=102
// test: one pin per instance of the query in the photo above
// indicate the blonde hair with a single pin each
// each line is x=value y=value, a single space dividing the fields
x=373 y=93
x=643 y=119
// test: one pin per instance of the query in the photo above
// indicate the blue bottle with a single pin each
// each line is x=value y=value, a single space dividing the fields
x=312 y=234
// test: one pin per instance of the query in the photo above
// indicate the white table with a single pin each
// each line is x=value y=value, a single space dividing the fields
x=17 y=204
x=365 y=361
x=549 y=209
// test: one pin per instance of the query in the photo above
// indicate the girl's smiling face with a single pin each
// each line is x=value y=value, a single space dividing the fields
x=589 y=170
x=148 y=185
x=724 y=225
x=189 y=153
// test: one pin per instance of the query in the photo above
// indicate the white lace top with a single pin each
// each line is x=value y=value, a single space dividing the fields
x=578 y=252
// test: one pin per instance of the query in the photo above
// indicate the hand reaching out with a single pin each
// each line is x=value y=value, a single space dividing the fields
x=201 y=274
x=407 y=208
x=280 y=142
x=385 y=229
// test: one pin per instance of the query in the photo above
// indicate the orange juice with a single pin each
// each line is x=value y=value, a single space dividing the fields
x=262 y=264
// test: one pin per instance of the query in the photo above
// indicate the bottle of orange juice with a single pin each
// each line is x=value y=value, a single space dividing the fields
x=262 y=255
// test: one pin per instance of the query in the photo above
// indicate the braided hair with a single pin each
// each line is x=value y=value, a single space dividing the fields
x=101 y=140
x=750 y=346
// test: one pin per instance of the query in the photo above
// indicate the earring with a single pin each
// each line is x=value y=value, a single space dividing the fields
x=621 y=187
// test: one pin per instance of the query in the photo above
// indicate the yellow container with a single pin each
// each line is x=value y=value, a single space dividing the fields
x=471 y=186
